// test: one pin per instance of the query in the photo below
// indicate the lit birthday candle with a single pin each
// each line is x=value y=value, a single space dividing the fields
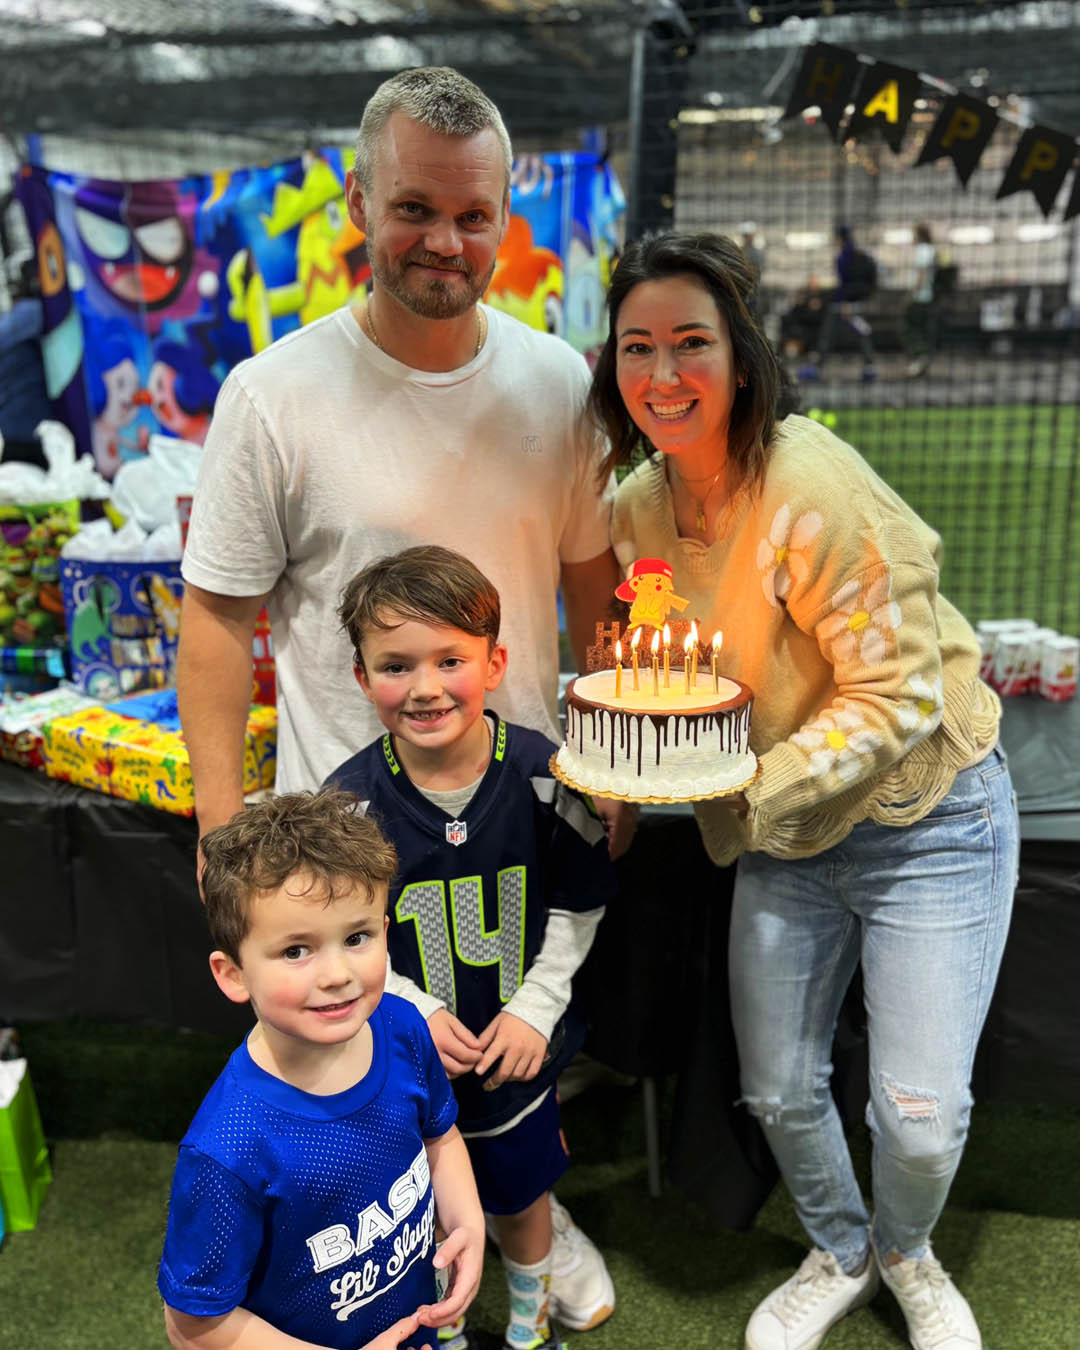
x=693 y=653
x=686 y=664
x=717 y=641
x=667 y=656
x=655 y=664
x=633 y=654
x=618 y=669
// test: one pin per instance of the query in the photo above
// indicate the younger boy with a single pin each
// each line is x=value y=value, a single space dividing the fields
x=305 y=1194
x=504 y=877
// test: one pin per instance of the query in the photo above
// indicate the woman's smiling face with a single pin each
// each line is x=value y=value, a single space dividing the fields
x=675 y=365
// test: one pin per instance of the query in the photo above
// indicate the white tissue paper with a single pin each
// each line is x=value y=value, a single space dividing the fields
x=11 y=1075
x=66 y=479
x=99 y=542
x=146 y=489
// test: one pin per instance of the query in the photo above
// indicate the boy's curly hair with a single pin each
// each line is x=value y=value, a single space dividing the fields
x=321 y=837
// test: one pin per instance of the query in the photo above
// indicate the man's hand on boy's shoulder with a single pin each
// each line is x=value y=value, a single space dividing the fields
x=458 y=1048
x=519 y=1047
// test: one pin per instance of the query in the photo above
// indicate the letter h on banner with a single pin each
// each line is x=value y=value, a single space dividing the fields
x=825 y=80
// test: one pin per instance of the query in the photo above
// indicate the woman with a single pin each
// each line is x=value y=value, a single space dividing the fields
x=882 y=824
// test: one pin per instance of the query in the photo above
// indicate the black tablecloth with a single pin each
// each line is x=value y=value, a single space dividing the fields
x=100 y=917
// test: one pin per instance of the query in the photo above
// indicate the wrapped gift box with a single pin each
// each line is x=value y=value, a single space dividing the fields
x=29 y=670
x=144 y=761
x=22 y=738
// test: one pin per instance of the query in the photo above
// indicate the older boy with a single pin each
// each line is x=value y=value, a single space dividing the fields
x=305 y=1194
x=504 y=878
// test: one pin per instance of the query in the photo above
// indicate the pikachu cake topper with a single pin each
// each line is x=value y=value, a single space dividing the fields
x=650 y=589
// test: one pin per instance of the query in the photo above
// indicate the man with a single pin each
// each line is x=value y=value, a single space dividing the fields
x=424 y=418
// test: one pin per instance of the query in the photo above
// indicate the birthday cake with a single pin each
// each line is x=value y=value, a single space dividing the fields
x=672 y=746
x=645 y=736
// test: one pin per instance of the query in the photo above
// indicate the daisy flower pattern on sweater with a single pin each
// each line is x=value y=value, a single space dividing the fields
x=781 y=557
x=862 y=622
x=838 y=743
x=920 y=714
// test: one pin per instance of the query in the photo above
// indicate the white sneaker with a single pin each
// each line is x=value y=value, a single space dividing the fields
x=582 y=1294
x=938 y=1315
x=798 y=1314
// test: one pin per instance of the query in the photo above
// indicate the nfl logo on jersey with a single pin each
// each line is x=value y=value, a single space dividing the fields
x=456 y=831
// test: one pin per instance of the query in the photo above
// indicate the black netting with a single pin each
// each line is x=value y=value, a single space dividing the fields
x=969 y=407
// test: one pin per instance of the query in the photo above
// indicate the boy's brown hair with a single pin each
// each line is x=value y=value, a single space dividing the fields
x=320 y=836
x=431 y=584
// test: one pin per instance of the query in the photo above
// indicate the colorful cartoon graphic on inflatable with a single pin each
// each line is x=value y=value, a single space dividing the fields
x=553 y=267
x=330 y=259
x=132 y=250
x=62 y=331
x=155 y=290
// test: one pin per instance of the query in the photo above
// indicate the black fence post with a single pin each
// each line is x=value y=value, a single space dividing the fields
x=662 y=51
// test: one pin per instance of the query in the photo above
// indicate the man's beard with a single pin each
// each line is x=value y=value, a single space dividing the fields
x=433 y=299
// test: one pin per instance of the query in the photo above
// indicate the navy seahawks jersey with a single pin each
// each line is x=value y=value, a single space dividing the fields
x=469 y=906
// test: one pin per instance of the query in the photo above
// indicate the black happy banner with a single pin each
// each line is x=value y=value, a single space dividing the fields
x=833 y=79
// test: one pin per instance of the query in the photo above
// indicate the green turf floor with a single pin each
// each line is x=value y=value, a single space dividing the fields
x=115 y=1101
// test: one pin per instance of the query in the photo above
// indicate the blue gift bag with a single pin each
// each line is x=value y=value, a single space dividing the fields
x=123 y=624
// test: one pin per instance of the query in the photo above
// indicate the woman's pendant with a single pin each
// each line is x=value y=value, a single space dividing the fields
x=701 y=517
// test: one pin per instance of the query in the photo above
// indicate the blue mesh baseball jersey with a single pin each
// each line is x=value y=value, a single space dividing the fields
x=314 y=1213
x=469 y=906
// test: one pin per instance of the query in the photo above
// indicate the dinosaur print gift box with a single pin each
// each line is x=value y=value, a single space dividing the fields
x=146 y=762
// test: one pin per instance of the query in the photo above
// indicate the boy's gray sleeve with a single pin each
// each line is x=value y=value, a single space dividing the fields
x=408 y=989
x=544 y=994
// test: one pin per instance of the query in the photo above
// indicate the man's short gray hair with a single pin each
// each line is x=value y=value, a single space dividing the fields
x=435 y=96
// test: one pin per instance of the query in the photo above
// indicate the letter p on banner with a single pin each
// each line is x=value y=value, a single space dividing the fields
x=961 y=133
x=1039 y=166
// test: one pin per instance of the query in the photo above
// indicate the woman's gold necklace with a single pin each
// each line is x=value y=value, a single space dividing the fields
x=481 y=329
x=699 y=502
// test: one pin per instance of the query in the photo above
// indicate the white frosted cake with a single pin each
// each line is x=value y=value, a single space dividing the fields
x=670 y=746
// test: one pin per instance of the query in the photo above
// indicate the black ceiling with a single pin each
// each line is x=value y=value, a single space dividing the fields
x=242 y=65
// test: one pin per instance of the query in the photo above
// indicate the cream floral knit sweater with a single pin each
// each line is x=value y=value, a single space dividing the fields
x=867 y=699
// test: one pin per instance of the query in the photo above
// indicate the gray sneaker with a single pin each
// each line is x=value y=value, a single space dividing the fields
x=937 y=1313
x=799 y=1314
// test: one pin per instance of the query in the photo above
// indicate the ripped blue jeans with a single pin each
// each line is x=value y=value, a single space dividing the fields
x=926 y=909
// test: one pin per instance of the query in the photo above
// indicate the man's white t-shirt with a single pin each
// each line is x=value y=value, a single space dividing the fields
x=326 y=453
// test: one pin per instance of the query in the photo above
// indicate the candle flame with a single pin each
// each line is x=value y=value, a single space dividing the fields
x=655 y=644
x=618 y=651
x=688 y=643
x=693 y=630
x=717 y=640
x=667 y=635
x=635 y=639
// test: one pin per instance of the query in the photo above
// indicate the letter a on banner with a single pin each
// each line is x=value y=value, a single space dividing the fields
x=885 y=100
x=825 y=80
x=1040 y=164
x=961 y=133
